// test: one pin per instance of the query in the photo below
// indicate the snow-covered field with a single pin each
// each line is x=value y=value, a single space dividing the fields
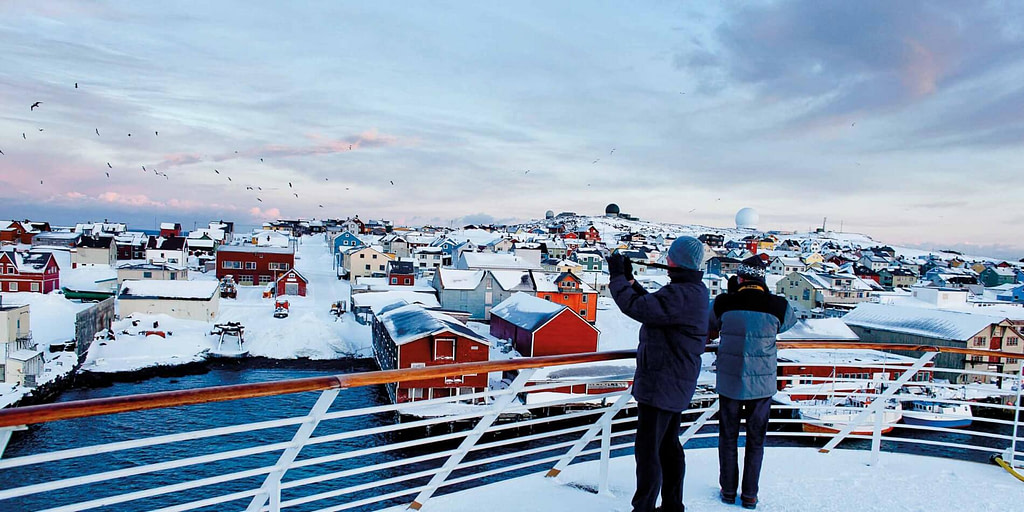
x=792 y=480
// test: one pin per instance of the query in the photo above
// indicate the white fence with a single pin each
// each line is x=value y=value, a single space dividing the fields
x=333 y=458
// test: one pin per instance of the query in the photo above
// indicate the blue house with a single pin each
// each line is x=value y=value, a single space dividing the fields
x=343 y=242
x=1015 y=294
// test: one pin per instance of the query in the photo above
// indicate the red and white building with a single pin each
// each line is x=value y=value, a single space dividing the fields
x=253 y=265
x=539 y=327
x=408 y=336
x=292 y=283
x=31 y=272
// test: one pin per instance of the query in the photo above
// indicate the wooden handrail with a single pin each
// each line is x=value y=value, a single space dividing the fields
x=100 y=406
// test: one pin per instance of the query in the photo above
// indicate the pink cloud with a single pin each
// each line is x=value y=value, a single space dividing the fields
x=922 y=69
x=260 y=214
x=177 y=159
x=323 y=145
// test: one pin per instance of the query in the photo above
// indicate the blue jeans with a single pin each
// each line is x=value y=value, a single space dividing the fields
x=730 y=411
x=660 y=464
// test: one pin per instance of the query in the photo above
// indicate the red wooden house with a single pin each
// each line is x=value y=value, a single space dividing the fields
x=292 y=283
x=401 y=273
x=538 y=327
x=408 y=336
x=31 y=272
x=13 y=233
x=569 y=290
x=250 y=264
x=170 y=229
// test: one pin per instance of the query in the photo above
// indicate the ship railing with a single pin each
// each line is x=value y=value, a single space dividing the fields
x=334 y=458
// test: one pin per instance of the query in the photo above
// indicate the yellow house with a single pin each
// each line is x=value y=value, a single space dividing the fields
x=812 y=258
x=365 y=262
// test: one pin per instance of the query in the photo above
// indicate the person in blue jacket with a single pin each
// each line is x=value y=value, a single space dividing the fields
x=747 y=320
x=673 y=334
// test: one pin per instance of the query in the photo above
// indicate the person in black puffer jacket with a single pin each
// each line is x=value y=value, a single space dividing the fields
x=748 y=320
x=672 y=338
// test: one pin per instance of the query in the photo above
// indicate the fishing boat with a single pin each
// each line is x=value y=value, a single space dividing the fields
x=929 y=413
x=830 y=417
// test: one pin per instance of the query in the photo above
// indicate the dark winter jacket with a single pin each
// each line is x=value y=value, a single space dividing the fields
x=748 y=321
x=672 y=336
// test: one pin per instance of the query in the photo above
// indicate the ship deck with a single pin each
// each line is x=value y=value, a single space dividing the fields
x=792 y=479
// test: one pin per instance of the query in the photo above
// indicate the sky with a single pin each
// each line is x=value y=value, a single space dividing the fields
x=901 y=120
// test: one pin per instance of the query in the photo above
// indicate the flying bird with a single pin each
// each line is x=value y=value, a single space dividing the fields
x=261 y=188
x=1 y=151
x=216 y=171
x=612 y=151
x=108 y=174
x=23 y=136
x=229 y=178
x=289 y=184
x=40 y=129
x=295 y=194
x=325 y=179
x=693 y=210
x=158 y=133
x=527 y=172
x=143 y=168
x=350 y=147
x=392 y=182
x=110 y=166
x=258 y=199
x=129 y=135
x=596 y=161
x=248 y=188
x=261 y=160
x=321 y=206
x=76 y=85
x=34 y=105
x=853 y=124
x=97 y=132
x=40 y=182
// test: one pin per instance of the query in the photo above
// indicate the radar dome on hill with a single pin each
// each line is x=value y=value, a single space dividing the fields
x=549 y=214
x=611 y=210
x=747 y=218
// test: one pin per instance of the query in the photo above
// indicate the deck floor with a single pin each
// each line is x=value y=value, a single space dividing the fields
x=792 y=479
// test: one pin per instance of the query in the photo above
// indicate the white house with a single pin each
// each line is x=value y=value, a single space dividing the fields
x=150 y=271
x=364 y=262
x=94 y=250
x=190 y=300
x=167 y=250
x=20 y=362
x=268 y=238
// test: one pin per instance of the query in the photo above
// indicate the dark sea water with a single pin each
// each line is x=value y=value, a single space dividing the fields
x=127 y=426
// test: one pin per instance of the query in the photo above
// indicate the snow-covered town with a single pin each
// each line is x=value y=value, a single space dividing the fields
x=104 y=298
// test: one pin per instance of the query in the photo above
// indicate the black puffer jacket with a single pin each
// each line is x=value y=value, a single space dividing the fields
x=672 y=337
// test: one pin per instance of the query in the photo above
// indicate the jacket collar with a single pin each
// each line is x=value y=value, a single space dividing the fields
x=683 y=275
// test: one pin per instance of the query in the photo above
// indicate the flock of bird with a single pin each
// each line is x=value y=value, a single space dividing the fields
x=252 y=188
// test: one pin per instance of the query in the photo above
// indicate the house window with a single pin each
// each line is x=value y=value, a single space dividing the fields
x=584 y=298
x=407 y=281
x=367 y=267
x=374 y=256
x=174 y=276
x=12 y=287
x=147 y=275
x=250 y=265
x=381 y=268
x=394 y=280
x=1011 y=342
x=362 y=256
x=415 y=393
x=444 y=349
x=807 y=295
x=583 y=313
x=979 y=341
x=547 y=297
x=35 y=287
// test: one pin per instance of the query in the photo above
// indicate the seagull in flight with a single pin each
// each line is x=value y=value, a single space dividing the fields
x=853 y=124
x=612 y=151
x=321 y=206
x=289 y=184
x=143 y=168
x=34 y=105
x=596 y=161
x=97 y=132
x=23 y=136
x=129 y=135
x=108 y=175
x=258 y=199
x=261 y=160
x=693 y=210
x=1 y=151
x=216 y=171
x=296 y=194
x=157 y=133
x=110 y=166
x=229 y=178
x=392 y=182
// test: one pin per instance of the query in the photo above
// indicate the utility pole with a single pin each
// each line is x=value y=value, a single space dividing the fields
x=823 y=223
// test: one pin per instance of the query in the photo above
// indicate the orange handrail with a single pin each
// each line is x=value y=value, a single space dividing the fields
x=100 y=406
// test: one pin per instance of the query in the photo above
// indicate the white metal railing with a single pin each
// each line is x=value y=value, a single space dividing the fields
x=332 y=459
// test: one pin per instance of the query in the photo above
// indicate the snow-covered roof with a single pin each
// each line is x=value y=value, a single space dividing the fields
x=29 y=263
x=510 y=279
x=168 y=289
x=526 y=311
x=841 y=357
x=167 y=225
x=377 y=301
x=411 y=322
x=24 y=354
x=255 y=249
x=452 y=279
x=485 y=260
x=934 y=323
x=819 y=329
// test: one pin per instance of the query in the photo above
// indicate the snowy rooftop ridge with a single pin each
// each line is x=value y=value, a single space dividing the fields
x=526 y=311
x=819 y=329
x=936 y=323
x=411 y=322
x=167 y=289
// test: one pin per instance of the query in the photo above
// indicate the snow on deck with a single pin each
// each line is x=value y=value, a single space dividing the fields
x=792 y=480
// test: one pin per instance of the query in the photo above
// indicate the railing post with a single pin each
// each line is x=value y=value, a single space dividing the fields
x=606 y=456
x=1016 y=419
x=878 y=405
x=485 y=423
x=590 y=434
x=698 y=423
x=876 y=437
x=5 y=436
x=271 y=488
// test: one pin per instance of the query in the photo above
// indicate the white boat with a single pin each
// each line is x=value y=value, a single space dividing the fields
x=828 y=417
x=937 y=414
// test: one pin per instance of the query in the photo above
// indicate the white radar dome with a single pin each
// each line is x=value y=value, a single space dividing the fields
x=747 y=218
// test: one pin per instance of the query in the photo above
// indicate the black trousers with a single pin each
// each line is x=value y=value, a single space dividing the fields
x=660 y=463
x=730 y=412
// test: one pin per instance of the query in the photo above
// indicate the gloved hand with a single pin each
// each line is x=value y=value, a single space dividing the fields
x=627 y=268
x=616 y=264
